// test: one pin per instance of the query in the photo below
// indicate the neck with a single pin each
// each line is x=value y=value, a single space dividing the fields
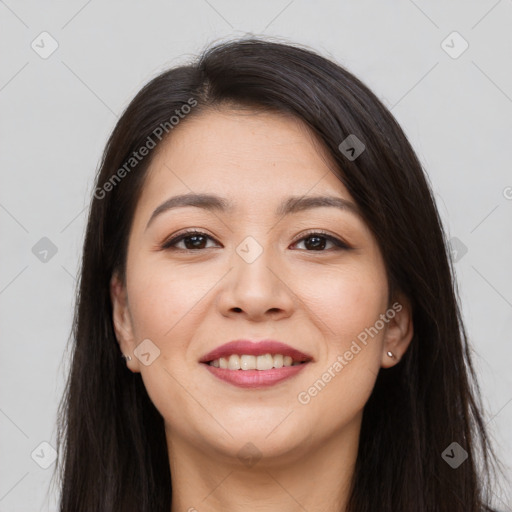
x=313 y=478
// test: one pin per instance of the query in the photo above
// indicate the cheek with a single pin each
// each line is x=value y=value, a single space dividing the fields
x=345 y=301
x=164 y=299
x=166 y=307
x=347 y=304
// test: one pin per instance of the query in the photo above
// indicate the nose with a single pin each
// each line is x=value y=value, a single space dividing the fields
x=258 y=290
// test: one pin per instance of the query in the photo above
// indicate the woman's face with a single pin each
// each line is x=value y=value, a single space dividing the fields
x=253 y=273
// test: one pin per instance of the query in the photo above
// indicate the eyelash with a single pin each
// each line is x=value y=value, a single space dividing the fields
x=338 y=244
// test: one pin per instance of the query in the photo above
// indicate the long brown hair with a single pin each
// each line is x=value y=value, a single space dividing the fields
x=111 y=440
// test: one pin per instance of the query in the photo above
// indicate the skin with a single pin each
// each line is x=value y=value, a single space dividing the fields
x=316 y=300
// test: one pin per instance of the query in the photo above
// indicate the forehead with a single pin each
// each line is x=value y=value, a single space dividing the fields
x=245 y=155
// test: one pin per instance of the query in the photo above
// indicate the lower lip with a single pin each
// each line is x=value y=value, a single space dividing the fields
x=255 y=378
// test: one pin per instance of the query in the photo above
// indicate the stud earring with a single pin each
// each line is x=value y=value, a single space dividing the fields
x=390 y=354
x=128 y=358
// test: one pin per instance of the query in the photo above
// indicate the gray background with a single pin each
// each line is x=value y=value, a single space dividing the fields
x=57 y=113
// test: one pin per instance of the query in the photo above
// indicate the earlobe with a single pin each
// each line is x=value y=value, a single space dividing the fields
x=399 y=331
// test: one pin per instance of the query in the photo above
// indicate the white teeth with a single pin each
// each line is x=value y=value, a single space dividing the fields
x=278 y=361
x=249 y=362
x=264 y=362
x=234 y=362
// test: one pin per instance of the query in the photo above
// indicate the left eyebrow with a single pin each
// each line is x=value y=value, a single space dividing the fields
x=293 y=204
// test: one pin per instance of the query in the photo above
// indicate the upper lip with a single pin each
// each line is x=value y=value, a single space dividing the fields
x=255 y=348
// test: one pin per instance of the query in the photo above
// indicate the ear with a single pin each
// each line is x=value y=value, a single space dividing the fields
x=399 y=331
x=122 y=321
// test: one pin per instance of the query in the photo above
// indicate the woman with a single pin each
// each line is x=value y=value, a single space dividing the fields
x=266 y=317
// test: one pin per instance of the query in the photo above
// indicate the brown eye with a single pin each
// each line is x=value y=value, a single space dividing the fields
x=193 y=240
x=317 y=241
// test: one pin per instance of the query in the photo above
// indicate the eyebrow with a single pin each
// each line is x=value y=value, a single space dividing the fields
x=292 y=204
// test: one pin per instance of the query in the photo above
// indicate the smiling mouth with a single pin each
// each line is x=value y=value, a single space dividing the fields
x=251 y=362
